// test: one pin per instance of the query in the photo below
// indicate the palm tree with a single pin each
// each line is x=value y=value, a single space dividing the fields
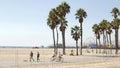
x=98 y=37
x=103 y=29
x=108 y=32
x=56 y=20
x=80 y=14
x=62 y=10
x=115 y=24
x=52 y=22
x=95 y=28
x=115 y=12
x=75 y=32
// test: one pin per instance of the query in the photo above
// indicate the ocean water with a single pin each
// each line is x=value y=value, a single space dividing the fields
x=16 y=47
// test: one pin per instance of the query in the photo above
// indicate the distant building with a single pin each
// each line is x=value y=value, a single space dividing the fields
x=92 y=45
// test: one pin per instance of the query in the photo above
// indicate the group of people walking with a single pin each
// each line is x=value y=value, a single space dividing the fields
x=54 y=57
x=31 y=56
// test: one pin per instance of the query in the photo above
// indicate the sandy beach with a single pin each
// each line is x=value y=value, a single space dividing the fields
x=19 y=58
x=30 y=30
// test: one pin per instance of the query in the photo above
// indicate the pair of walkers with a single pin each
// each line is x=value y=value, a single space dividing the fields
x=31 y=56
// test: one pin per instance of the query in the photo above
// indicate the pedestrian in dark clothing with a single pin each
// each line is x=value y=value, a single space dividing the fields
x=38 y=55
x=31 y=56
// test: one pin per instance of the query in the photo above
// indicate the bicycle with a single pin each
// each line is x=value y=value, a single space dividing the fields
x=57 y=59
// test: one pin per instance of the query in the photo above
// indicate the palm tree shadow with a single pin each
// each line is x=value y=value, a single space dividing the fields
x=109 y=56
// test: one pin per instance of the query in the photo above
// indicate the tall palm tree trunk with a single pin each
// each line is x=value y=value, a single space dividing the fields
x=107 y=39
x=110 y=38
x=57 y=40
x=99 y=42
x=81 y=39
x=96 y=44
x=104 y=41
x=110 y=43
x=107 y=43
x=116 y=40
x=54 y=42
x=63 y=36
x=76 y=47
x=99 y=45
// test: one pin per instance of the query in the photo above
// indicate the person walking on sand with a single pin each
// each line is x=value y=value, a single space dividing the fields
x=38 y=55
x=31 y=56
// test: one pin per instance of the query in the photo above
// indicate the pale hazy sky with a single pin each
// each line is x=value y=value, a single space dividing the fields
x=23 y=22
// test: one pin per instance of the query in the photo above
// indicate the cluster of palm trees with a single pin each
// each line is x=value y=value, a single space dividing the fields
x=76 y=31
x=57 y=18
x=105 y=28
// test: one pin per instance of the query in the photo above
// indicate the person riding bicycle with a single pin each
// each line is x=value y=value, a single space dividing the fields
x=60 y=56
x=54 y=57
x=57 y=57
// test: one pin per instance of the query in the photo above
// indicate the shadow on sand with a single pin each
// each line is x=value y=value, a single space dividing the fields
x=108 y=56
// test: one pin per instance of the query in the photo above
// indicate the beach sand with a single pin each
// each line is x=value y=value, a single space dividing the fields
x=19 y=58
